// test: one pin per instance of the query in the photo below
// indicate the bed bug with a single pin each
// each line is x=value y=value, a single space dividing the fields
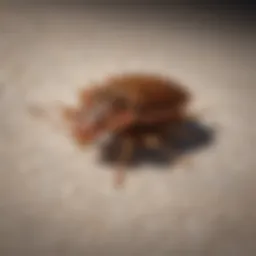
x=139 y=108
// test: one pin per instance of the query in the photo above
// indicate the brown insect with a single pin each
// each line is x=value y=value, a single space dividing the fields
x=139 y=108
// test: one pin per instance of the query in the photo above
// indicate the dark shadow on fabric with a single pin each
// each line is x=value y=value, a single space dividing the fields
x=197 y=137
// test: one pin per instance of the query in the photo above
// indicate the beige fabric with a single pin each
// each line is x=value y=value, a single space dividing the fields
x=58 y=200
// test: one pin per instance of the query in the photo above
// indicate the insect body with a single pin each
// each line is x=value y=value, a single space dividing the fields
x=135 y=107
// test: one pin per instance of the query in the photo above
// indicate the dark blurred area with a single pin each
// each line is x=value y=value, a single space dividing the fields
x=194 y=136
x=209 y=5
x=232 y=11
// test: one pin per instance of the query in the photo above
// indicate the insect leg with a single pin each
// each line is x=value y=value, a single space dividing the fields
x=152 y=141
x=69 y=113
x=125 y=155
x=85 y=96
x=186 y=161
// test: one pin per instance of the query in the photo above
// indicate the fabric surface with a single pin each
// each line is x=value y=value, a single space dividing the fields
x=58 y=200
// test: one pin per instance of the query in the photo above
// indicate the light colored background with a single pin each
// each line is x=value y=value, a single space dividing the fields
x=57 y=200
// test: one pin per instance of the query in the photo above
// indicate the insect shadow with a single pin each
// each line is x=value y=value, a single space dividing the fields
x=197 y=136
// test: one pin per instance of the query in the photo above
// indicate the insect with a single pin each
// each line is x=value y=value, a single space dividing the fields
x=138 y=108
